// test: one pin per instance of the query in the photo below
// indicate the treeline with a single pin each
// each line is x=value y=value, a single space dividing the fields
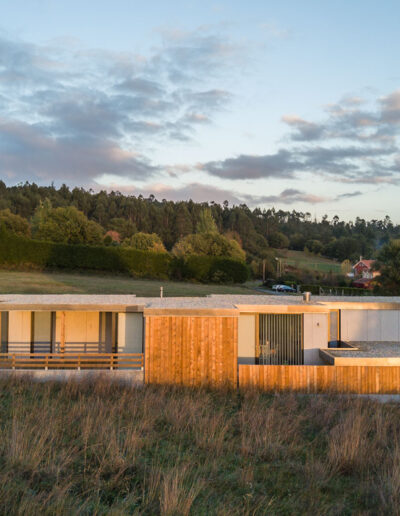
x=257 y=231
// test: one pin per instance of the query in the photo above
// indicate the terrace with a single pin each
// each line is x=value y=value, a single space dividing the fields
x=363 y=353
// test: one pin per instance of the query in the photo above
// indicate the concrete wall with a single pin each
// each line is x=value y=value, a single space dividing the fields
x=370 y=325
x=130 y=333
x=315 y=337
x=247 y=339
x=19 y=332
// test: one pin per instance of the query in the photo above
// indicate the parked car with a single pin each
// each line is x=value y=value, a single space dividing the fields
x=283 y=288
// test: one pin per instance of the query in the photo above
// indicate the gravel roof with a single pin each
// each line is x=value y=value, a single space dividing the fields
x=212 y=301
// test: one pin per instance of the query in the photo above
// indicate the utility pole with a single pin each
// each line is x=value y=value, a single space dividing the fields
x=278 y=267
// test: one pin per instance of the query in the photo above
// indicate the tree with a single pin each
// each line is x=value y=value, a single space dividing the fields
x=209 y=244
x=125 y=227
x=388 y=264
x=314 y=246
x=14 y=223
x=346 y=267
x=206 y=223
x=278 y=240
x=146 y=242
x=65 y=225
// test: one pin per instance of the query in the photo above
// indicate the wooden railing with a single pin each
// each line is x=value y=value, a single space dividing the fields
x=71 y=360
x=310 y=378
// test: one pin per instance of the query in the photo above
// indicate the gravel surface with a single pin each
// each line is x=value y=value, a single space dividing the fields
x=369 y=349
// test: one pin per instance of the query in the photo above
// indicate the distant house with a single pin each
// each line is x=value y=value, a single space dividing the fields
x=364 y=269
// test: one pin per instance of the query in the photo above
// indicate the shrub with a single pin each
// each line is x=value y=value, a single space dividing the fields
x=208 y=244
x=146 y=242
x=65 y=225
x=14 y=223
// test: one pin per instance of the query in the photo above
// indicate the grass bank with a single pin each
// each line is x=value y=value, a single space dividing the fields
x=309 y=261
x=107 y=449
x=15 y=282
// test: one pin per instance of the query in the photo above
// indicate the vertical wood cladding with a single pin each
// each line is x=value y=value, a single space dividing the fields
x=191 y=350
x=308 y=378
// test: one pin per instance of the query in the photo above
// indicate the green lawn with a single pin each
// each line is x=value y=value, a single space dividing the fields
x=14 y=282
x=303 y=260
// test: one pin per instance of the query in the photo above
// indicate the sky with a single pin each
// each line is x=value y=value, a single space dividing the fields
x=293 y=105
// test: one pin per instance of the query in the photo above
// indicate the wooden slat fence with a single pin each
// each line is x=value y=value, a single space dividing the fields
x=71 y=361
x=189 y=350
x=310 y=379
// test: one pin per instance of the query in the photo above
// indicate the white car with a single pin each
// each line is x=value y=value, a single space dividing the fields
x=283 y=288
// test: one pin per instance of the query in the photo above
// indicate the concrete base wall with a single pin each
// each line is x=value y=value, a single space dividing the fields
x=134 y=377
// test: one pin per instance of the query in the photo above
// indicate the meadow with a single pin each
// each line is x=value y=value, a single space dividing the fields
x=104 y=448
x=309 y=261
x=44 y=282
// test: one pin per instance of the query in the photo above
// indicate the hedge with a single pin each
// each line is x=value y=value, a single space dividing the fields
x=16 y=250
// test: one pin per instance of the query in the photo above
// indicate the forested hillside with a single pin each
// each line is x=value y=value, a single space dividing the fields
x=257 y=230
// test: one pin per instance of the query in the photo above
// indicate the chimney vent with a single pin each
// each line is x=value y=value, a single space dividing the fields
x=306 y=297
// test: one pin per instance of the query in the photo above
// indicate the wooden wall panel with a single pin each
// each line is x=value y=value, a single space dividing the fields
x=191 y=350
x=82 y=332
x=19 y=331
x=306 y=378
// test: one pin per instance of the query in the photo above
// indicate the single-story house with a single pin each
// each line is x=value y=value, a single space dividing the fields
x=194 y=340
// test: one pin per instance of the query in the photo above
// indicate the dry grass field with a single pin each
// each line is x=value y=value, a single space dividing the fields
x=102 y=448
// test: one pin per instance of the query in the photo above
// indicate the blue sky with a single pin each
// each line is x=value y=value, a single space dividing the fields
x=288 y=104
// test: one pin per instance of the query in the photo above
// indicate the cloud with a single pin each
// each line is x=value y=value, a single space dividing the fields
x=279 y=165
x=349 y=162
x=65 y=109
x=289 y=196
x=305 y=131
x=350 y=119
x=349 y=195
x=27 y=151
x=390 y=104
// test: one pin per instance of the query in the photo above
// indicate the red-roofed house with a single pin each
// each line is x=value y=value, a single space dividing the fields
x=363 y=269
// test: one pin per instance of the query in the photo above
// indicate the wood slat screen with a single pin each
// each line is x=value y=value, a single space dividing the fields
x=191 y=350
x=308 y=378
x=281 y=339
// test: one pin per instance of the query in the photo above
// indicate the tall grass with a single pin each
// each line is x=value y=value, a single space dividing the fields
x=103 y=448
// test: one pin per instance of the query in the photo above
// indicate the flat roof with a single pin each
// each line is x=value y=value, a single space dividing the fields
x=229 y=303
